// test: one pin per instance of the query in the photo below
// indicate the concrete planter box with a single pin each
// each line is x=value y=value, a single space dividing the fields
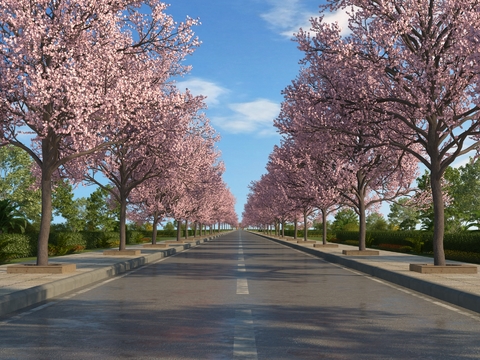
x=447 y=269
x=155 y=246
x=325 y=245
x=306 y=242
x=122 y=252
x=361 y=252
x=35 y=269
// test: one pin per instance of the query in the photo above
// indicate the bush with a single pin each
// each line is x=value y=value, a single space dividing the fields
x=92 y=238
x=135 y=237
x=390 y=237
x=14 y=246
x=63 y=243
x=108 y=240
x=351 y=242
x=464 y=256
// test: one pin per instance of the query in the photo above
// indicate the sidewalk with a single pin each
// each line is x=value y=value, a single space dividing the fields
x=458 y=289
x=18 y=291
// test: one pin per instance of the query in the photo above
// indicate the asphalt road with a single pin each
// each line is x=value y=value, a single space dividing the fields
x=241 y=297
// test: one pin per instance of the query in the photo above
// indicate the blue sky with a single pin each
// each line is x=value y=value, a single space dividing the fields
x=246 y=59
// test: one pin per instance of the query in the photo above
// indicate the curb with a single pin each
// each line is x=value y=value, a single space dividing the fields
x=34 y=295
x=453 y=296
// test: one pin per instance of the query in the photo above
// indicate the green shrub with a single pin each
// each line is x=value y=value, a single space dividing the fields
x=14 y=246
x=63 y=243
x=92 y=238
x=464 y=256
x=464 y=241
x=351 y=242
x=416 y=243
x=406 y=249
x=135 y=237
x=389 y=237
x=108 y=240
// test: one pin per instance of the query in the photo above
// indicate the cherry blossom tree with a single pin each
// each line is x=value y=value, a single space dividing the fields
x=150 y=149
x=63 y=71
x=306 y=179
x=415 y=64
x=362 y=167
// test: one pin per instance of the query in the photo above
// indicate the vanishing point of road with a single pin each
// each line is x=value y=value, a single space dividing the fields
x=241 y=297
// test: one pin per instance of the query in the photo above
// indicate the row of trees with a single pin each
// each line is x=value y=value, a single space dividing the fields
x=87 y=91
x=401 y=88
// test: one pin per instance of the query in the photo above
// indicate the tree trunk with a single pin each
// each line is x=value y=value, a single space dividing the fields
x=295 y=229
x=179 y=229
x=324 y=219
x=439 y=217
x=42 y=244
x=186 y=228
x=154 y=228
x=305 y=225
x=123 y=216
x=195 y=224
x=363 y=224
x=283 y=229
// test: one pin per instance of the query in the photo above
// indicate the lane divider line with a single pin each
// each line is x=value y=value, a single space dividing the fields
x=244 y=344
x=242 y=287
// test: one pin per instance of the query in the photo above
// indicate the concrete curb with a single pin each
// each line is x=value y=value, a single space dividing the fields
x=34 y=295
x=453 y=296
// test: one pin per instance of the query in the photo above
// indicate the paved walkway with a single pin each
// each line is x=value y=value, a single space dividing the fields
x=18 y=291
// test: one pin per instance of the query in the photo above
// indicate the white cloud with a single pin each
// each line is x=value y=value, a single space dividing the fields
x=255 y=116
x=289 y=16
x=203 y=87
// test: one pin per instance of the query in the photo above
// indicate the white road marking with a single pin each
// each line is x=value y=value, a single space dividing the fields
x=242 y=287
x=241 y=258
x=240 y=252
x=241 y=267
x=244 y=345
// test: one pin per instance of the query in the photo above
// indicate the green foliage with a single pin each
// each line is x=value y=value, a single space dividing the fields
x=92 y=239
x=17 y=182
x=5 y=253
x=376 y=222
x=14 y=246
x=464 y=256
x=135 y=237
x=351 y=242
x=169 y=229
x=417 y=243
x=72 y=210
x=98 y=214
x=63 y=243
x=402 y=216
x=369 y=239
x=464 y=241
x=10 y=218
x=463 y=188
x=345 y=220
x=109 y=239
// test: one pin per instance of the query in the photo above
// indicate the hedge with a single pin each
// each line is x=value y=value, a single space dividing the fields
x=466 y=241
x=14 y=246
